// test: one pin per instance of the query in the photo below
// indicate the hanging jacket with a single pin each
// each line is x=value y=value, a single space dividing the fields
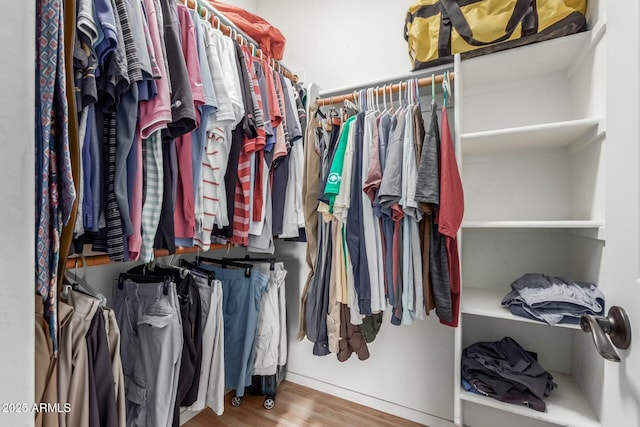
x=270 y=39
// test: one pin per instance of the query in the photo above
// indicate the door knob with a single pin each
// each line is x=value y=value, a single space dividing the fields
x=607 y=332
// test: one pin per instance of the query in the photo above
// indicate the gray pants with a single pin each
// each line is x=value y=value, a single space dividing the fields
x=151 y=350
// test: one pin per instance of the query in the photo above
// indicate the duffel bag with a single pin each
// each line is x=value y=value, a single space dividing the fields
x=437 y=29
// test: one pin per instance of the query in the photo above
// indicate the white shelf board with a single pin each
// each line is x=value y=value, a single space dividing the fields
x=533 y=224
x=566 y=405
x=525 y=62
x=558 y=134
x=590 y=229
x=486 y=303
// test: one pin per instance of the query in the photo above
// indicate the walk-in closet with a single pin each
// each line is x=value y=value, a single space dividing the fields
x=285 y=213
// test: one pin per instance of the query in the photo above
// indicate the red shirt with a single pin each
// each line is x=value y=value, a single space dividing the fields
x=451 y=210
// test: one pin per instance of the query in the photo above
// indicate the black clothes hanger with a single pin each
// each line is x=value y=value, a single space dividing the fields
x=271 y=261
x=211 y=275
x=155 y=270
x=138 y=278
x=224 y=263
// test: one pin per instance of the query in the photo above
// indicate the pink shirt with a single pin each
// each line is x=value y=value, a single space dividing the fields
x=155 y=113
x=184 y=214
x=190 y=52
x=135 y=210
x=280 y=148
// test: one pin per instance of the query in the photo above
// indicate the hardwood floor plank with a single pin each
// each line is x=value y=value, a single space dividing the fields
x=297 y=406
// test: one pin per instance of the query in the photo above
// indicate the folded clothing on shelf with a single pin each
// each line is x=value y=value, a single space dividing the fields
x=503 y=370
x=553 y=299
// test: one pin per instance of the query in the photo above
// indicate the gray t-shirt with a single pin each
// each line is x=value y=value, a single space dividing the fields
x=428 y=181
x=391 y=185
x=183 y=115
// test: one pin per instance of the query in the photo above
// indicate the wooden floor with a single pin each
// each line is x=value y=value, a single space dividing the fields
x=297 y=406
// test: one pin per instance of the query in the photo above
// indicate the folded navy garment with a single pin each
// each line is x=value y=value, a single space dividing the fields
x=553 y=299
x=505 y=371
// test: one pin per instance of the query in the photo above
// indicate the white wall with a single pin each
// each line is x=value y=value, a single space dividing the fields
x=249 y=5
x=17 y=213
x=410 y=372
x=338 y=43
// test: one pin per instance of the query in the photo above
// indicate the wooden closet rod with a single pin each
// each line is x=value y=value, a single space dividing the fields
x=238 y=35
x=394 y=88
x=94 y=260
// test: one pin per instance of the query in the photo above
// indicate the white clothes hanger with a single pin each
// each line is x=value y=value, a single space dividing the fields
x=82 y=282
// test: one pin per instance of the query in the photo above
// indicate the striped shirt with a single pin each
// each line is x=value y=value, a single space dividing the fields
x=152 y=204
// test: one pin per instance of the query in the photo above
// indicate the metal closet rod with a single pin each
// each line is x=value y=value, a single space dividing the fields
x=94 y=260
x=381 y=90
x=230 y=29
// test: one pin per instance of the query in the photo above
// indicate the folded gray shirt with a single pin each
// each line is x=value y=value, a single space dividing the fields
x=553 y=299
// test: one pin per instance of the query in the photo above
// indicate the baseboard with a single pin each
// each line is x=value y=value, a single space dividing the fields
x=186 y=415
x=369 y=401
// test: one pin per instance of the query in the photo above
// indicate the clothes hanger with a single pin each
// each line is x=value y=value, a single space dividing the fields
x=271 y=261
x=433 y=88
x=384 y=97
x=81 y=282
x=166 y=280
x=445 y=89
x=371 y=99
x=210 y=274
x=412 y=91
x=247 y=267
x=448 y=82
x=407 y=93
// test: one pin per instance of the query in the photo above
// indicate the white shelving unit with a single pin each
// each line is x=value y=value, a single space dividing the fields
x=530 y=134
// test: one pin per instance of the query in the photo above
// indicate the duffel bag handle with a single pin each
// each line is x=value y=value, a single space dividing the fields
x=461 y=25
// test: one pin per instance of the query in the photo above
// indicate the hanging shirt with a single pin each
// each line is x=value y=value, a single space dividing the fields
x=253 y=137
x=371 y=230
x=86 y=23
x=334 y=180
x=200 y=135
x=183 y=115
x=54 y=182
x=355 y=228
x=126 y=119
x=155 y=113
x=293 y=217
x=211 y=207
x=413 y=299
x=449 y=215
x=386 y=222
x=135 y=239
x=108 y=32
x=256 y=226
x=184 y=211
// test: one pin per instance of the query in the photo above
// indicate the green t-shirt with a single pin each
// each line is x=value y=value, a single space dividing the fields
x=334 y=180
